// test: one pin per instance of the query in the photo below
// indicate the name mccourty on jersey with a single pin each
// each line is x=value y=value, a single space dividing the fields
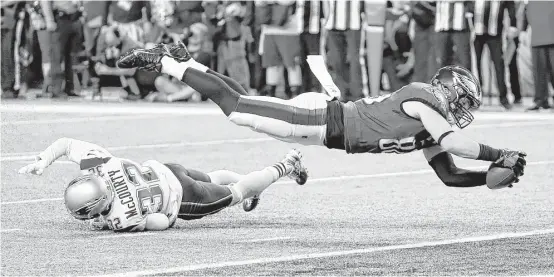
x=122 y=191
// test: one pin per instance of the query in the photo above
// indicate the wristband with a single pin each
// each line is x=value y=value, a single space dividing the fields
x=487 y=153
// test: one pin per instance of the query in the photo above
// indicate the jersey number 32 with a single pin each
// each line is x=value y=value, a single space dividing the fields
x=149 y=192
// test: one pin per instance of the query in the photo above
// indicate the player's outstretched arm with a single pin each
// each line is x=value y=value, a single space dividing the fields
x=74 y=149
x=452 y=176
x=460 y=145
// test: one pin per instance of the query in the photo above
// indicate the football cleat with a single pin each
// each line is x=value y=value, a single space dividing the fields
x=250 y=203
x=176 y=50
x=150 y=59
x=299 y=173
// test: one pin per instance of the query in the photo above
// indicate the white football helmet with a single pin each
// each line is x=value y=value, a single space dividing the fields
x=88 y=197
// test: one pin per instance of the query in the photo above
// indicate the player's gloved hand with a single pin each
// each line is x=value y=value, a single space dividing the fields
x=515 y=160
x=34 y=168
x=98 y=224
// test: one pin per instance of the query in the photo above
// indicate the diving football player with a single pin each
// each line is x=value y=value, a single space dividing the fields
x=418 y=116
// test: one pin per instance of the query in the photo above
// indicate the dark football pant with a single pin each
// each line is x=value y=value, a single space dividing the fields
x=298 y=120
x=201 y=197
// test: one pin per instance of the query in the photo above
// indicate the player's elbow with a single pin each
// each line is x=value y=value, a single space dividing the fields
x=448 y=180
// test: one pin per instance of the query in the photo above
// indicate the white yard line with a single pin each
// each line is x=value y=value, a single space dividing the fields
x=81 y=119
x=289 y=258
x=125 y=235
x=324 y=179
x=9 y=230
x=25 y=156
x=113 y=108
x=32 y=201
x=265 y=239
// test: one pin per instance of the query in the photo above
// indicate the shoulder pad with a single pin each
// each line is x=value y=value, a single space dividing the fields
x=441 y=100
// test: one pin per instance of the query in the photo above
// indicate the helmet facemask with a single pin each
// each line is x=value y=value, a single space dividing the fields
x=463 y=93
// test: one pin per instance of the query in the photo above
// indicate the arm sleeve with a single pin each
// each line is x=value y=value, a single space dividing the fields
x=76 y=151
x=452 y=176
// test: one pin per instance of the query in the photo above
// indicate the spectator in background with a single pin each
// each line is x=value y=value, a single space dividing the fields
x=343 y=25
x=262 y=15
x=309 y=14
x=186 y=14
x=234 y=46
x=513 y=67
x=423 y=15
x=9 y=17
x=164 y=88
x=128 y=17
x=452 y=37
x=280 y=41
x=61 y=43
x=398 y=60
x=111 y=44
x=540 y=16
x=488 y=19
x=95 y=17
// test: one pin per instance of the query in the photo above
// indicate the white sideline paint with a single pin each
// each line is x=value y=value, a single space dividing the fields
x=208 y=109
x=81 y=119
x=32 y=201
x=324 y=179
x=9 y=230
x=264 y=240
x=173 y=270
x=26 y=156
x=124 y=235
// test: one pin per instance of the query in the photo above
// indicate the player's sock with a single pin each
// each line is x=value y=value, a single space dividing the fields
x=176 y=69
x=209 y=85
x=256 y=182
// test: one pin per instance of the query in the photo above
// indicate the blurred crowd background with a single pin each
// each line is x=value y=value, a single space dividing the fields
x=61 y=49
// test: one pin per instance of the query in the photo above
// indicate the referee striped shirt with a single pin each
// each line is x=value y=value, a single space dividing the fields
x=344 y=14
x=450 y=16
x=309 y=14
x=489 y=15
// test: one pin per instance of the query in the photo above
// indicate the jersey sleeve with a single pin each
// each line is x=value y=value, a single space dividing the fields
x=75 y=150
x=87 y=155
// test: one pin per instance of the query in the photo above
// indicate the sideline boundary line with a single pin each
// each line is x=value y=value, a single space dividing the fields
x=173 y=270
x=324 y=179
x=204 y=109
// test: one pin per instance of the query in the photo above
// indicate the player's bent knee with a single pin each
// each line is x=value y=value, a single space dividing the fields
x=266 y=125
x=237 y=196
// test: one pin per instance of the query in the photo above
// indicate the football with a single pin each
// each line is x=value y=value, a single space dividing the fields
x=499 y=177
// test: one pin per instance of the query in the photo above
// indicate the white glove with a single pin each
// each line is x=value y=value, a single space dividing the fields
x=35 y=168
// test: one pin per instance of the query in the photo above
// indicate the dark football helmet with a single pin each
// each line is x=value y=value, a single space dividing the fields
x=463 y=91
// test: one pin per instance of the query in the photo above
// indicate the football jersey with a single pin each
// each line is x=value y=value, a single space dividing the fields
x=380 y=125
x=138 y=189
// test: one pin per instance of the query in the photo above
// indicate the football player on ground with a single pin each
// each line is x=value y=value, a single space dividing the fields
x=419 y=116
x=128 y=196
